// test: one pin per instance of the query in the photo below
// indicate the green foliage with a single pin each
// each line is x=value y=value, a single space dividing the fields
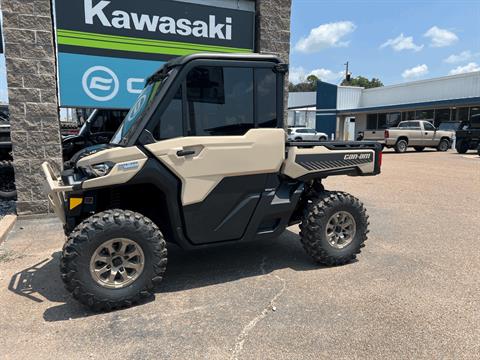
x=309 y=85
x=363 y=82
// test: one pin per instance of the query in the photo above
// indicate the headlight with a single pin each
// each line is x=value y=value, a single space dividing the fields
x=98 y=170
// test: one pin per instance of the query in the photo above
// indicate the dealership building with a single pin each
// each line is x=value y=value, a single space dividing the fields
x=346 y=110
x=97 y=54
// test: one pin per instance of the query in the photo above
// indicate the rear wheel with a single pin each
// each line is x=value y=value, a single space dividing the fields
x=462 y=146
x=322 y=138
x=298 y=139
x=419 y=148
x=334 y=228
x=444 y=145
x=401 y=146
x=113 y=259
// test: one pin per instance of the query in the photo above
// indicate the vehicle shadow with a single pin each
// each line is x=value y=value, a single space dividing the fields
x=186 y=270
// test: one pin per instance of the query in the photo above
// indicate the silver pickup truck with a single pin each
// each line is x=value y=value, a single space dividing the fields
x=419 y=134
x=416 y=133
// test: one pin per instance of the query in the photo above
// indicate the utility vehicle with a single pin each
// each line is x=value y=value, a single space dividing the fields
x=97 y=129
x=468 y=134
x=201 y=160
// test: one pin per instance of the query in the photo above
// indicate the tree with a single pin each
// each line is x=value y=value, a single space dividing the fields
x=310 y=84
x=363 y=82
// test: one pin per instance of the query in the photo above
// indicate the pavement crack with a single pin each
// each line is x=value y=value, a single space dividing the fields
x=240 y=341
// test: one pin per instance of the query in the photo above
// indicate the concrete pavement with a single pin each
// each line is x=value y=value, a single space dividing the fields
x=413 y=293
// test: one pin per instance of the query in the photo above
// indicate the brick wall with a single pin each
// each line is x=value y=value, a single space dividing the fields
x=30 y=60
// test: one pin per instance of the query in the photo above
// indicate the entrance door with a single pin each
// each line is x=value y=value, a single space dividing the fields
x=230 y=149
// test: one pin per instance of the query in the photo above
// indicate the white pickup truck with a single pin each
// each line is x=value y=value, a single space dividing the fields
x=418 y=134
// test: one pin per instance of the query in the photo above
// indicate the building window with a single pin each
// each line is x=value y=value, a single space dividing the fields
x=410 y=115
x=460 y=114
x=475 y=114
x=441 y=115
x=393 y=119
x=382 y=121
x=424 y=115
x=371 y=121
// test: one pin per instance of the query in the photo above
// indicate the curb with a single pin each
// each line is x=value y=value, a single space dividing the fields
x=6 y=224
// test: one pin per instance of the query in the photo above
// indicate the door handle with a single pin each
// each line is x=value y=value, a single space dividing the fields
x=185 y=152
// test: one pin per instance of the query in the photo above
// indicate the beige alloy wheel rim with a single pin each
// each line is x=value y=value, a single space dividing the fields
x=341 y=229
x=117 y=263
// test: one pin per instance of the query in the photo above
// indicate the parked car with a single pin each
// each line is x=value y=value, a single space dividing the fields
x=305 y=134
x=468 y=135
x=419 y=134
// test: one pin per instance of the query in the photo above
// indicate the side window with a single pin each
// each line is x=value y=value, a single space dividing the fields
x=266 y=98
x=220 y=100
x=427 y=126
x=170 y=123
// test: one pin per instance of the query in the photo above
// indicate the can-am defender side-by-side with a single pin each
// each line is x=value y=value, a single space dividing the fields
x=200 y=160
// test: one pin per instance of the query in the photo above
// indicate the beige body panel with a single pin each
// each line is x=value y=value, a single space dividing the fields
x=320 y=161
x=128 y=162
x=258 y=151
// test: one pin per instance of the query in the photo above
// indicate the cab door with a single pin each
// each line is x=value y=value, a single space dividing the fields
x=221 y=137
x=429 y=134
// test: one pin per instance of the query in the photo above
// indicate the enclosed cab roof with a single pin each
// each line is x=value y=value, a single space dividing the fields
x=220 y=56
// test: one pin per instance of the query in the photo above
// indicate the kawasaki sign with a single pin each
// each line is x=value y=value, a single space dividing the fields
x=106 y=49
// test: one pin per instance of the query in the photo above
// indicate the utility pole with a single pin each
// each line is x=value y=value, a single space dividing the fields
x=347 y=73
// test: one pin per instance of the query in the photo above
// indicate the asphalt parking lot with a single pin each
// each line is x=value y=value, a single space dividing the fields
x=413 y=293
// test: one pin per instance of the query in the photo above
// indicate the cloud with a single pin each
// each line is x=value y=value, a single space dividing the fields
x=415 y=72
x=465 y=69
x=463 y=56
x=440 y=37
x=325 y=36
x=327 y=75
x=296 y=74
x=299 y=74
x=402 y=42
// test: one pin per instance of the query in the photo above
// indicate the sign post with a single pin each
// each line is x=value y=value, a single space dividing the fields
x=106 y=49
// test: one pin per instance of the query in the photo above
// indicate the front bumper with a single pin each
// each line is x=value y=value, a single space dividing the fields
x=56 y=191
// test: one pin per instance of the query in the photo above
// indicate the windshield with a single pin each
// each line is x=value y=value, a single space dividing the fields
x=143 y=102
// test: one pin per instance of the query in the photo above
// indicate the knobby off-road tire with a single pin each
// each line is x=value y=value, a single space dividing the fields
x=462 y=146
x=401 y=146
x=7 y=180
x=444 y=145
x=317 y=216
x=84 y=242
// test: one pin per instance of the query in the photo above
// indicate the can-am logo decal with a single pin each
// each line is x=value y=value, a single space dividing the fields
x=120 y=19
x=363 y=156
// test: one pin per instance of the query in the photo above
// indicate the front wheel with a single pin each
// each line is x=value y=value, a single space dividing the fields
x=113 y=259
x=334 y=228
x=444 y=145
x=322 y=138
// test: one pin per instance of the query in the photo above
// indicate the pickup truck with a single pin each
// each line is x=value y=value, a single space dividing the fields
x=418 y=134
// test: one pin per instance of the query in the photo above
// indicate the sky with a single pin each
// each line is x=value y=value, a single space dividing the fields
x=395 y=41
